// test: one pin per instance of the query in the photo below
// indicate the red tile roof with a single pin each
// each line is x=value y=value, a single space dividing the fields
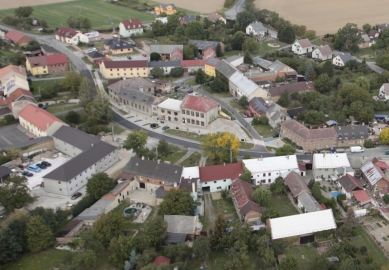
x=132 y=24
x=372 y=33
x=18 y=37
x=302 y=167
x=161 y=260
x=382 y=165
x=66 y=32
x=11 y=68
x=197 y=103
x=296 y=184
x=126 y=64
x=323 y=206
x=209 y=52
x=242 y=191
x=306 y=133
x=176 y=54
x=47 y=60
x=214 y=17
x=361 y=196
x=221 y=172
x=14 y=95
x=38 y=117
x=193 y=63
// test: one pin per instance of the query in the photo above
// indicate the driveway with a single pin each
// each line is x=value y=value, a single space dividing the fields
x=13 y=134
x=210 y=214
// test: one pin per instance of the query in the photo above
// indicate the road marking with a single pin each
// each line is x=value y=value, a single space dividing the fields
x=6 y=140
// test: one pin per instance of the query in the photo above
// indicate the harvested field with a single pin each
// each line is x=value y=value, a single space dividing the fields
x=201 y=6
x=18 y=3
x=328 y=16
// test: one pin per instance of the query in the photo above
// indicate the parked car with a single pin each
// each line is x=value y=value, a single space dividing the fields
x=387 y=152
x=42 y=166
x=153 y=125
x=33 y=138
x=21 y=166
x=48 y=164
x=76 y=195
x=190 y=91
x=162 y=121
x=33 y=168
x=25 y=173
x=91 y=44
x=144 y=55
x=129 y=57
x=276 y=135
x=165 y=128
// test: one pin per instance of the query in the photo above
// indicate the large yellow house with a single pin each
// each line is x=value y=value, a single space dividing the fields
x=210 y=66
x=124 y=69
x=169 y=9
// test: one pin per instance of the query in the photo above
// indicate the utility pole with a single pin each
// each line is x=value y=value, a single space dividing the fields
x=113 y=138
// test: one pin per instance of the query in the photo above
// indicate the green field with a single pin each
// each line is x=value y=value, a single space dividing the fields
x=98 y=11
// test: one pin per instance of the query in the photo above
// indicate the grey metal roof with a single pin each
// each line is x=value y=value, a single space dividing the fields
x=189 y=18
x=164 y=6
x=93 y=212
x=138 y=96
x=117 y=43
x=258 y=27
x=262 y=62
x=345 y=57
x=28 y=143
x=164 y=64
x=226 y=69
x=165 y=49
x=118 y=188
x=95 y=54
x=309 y=202
x=4 y=171
x=276 y=66
x=352 y=132
x=79 y=163
x=233 y=58
x=180 y=224
x=149 y=168
x=175 y=238
x=48 y=49
x=204 y=44
x=296 y=183
x=131 y=83
x=160 y=193
x=75 y=137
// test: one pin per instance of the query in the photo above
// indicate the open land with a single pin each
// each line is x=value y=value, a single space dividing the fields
x=202 y=6
x=328 y=16
x=98 y=12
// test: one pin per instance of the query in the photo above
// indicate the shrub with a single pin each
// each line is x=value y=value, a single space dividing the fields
x=368 y=144
x=83 y=204
x=369 y=259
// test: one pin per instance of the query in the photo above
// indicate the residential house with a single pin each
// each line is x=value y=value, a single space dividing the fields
x=124 y=69
x=374 y=175
x=307 y=203
x=163 y=20
x=325 y=165
x=162 y=86
x=12 y=78
x=383 y=26
x=296 y=184
x=225 y=70
x=365 y=41
x=18 y=38
x=257 y=29
x=322 y=53
x=167 y=52
x=351 y=135
x=130 y=27
x=47 y=50
x=282 y=70
x=138 y=101
x=94 y=56
x=152 y=174
x=198 y=111
x=235 y=60
x=47 y=64
x=182 y=225
x=295 y=111
x=202 y=45
x=17 y=101
x=37 y=120
x=299 y=87
x=267 y=170
x=169 y=110
x=186 y=19
x=210 y=66
x=308 y=139
x=302 y=226
x=373 y=34
x=166 y=66
x=384 y=91
x=4 y=174
x=89 y=154
x=137 y=83
x=347 y=183
x=277 y=118
x=209 y=53
x=258 y=61
x=247 y=210
x=190 y=179
x=341 y=59
x=362 y=197
x=168 y=9
x=118 y=46
x=240 y=86
x=214 y=17
x=302 y=46
x=218 y=177
x=71 y=36
x=270 y=71
x=192 y=65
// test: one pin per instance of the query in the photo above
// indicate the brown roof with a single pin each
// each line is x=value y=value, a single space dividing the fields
x=193 y=63
x=132 y=24
x=242 y=191
x=125 y=64
x=349 y=183
x=47 y=60
x=18 y=37
x=218 y=172
x=161 y=260
x=197 y=103
x=306 y=133
x=38 y=117
x=17 y=69
x=296 y=184
x=291 y=88
x=305 y=43
x=131 y=83
x=66 y=32
x=214 y=17
x=325 y=50
x=14 y=96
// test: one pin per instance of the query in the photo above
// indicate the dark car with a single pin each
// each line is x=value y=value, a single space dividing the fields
x=76 y=195
x=129 y=57
x=276 y=135
x=91 y=44
x=162 y=121
x=190 y=91
x=25 y=173
x=165 y=128
x=153 y=125
x=48 y=164
x=387 y=152
x=21 y=166
x=42 y=166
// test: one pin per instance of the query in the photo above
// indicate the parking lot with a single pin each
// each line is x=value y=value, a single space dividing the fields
x=13 y=134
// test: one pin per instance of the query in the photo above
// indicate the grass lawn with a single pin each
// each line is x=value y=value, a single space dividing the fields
x=192 y=160
x=283 y=205
x=98 y=12
x=185 y=134
x=309 y=253
x=191 y=83
x=42 y=84
x=176 y=153
x=368 y=53
x=83 y=118
x=5 y=53
x=236 y=106
x=225 y=207
x=117 y=129
x=86 y=61
x=265 y=48
x=36 y=261
x=218 y=95
x=319 y=42
x=265 y=130
x=232 y=53
x=59 y=108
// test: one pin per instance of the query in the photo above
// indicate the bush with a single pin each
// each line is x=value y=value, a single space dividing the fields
x=96 y=129
x=386 y=198
x=368 y=144
x=5 y=159
x=83 y=204
x=369 y=259
x=177 y=72
x=363 y=250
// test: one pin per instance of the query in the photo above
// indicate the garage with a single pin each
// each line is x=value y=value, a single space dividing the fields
x=307 y=239
x=142 y=185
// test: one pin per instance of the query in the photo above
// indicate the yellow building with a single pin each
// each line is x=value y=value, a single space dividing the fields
x=168 y=9
x=210 y=67
x=47 y=64
x=124 y=69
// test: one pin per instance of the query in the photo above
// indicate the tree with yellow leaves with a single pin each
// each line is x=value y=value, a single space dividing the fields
x=384 y=136
x=221 y=146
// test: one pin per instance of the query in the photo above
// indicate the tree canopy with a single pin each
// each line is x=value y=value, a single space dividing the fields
x=23 y=12
x=39 y=235
x=347 y=38
x=177 y=202
x=14 y=193
x=99 y=185
x=108 y=227
x=86 y=92
x=217 y=146
x=136 y=141
x=261 y=196
x=286 y=149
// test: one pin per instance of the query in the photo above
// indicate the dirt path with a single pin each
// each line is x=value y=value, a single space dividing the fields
x=210 y=213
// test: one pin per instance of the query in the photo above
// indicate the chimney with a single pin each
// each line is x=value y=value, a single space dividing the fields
x=344 y=171
x=224 y=164
x=143 y=157
x=158 y=161
x=193 y=187
x=141 y=88
x=175 y=184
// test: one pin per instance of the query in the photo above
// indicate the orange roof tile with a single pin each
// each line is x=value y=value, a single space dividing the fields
x=38 y=117
x=14 y=95
x=11 y=68
x=197 y=103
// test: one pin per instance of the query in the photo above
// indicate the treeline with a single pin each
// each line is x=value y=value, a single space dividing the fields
x=22 y=19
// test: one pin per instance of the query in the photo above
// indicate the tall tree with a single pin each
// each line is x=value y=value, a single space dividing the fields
x=244 y=18
x=201 y=248
x=39 y=235
x=278 y=187
x=238 y=40
x=157 y=72
x=328 y=68
x=173 y=21
x=200 y=76
x=220 y=146
x=347 y=38
x=14 y=193
x=177 y=202
x=219 y=52
x=13 y=240
x=261 y=196
x=23 y=12
x=85 y=259
x=219 y=230
x=286 y=149
x=366 y=27
x=194 y=30
x=99 y=185
x=136 y=141
x=120 y=248
x=163 y=147
x=250 y=45
x=384 y=136
x=363 y=82
x=86 y=92
x=323 y=84
x=108 y=227
x=72 y=81
x=308 y=71
x=72 y=117
x=289 y=263
x=286 y=34
x=159 y=28
x=101 y=109
x=155 y=231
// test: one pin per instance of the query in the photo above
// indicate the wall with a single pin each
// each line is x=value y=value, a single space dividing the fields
x=58 y=68
x=128 y=32
x=318 y=173
x=215 y=186
x=30 y=127
x=137 y=106
x=121 y=51
x=252 y=216
x=66 y=148
x=123 y=194
x=210 y=70
x=259 y=176
x=151 y=184
x=170 y=115
x=53 y=186
x=194 y=118
x=113 y=73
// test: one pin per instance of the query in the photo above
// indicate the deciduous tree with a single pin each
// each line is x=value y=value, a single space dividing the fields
x=287 y=34
x=289 y=263
x=72 y=81
x=101 y=109
x=286 y=149
x=244 y=18
x=155 y=231
x=14 y=193
x=108 y=226
x=136 y=141
x=363 y=82
x=200 y=76
x=219 y=230
x=24 y=11
x=261 y=196
x=220 y=146
x=72 y=117
x=243 y=101
x=86 y=92
x=163 y=147
x=120 y=248
x=99 y=185
x=159 y=28
x=39 y=235
x=85 y=259
x=194 y=30
x=347 y=38
x=238 y=40
x=157 y=72
x=323 y=83
x=278 y=187
x=201 y=248
x=177 y=72
x=177 y=202
x=250 y=45
x=328 y=68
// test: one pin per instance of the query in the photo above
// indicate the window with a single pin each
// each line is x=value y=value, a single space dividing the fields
x=264 y=174
x=197 y=122
x=183 y=111
x=202 y=123
x=202 y=115
x=224 y=180
x=192 y=113
x=59 y=182
x=269 y=174
x=162 y=111
x=197 y=114
x=187 y=112
x=70 y=182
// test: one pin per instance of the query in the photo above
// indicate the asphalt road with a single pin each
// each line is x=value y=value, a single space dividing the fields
x=232 y=12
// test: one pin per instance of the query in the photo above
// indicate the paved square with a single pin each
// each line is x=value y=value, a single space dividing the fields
x=13 y=134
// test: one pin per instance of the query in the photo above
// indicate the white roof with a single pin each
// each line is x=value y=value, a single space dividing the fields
x=162 y=19
x=170 y=104
x=335 y=160
x=302 y=224
x=191 y=172
x=246 y=85
x=267 y=164
x=371 y=172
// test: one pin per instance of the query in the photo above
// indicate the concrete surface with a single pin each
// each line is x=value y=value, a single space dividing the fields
x=14 y=134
